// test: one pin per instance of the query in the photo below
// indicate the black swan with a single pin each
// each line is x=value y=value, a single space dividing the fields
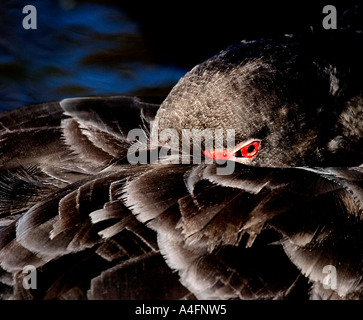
x=101 y=209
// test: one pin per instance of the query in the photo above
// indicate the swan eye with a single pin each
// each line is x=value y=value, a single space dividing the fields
x=249 y=150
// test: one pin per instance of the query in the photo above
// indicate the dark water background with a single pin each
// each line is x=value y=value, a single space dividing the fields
x=78 y=49
x=83 y=48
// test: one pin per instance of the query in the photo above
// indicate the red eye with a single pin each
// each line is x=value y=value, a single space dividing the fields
x=248 y=150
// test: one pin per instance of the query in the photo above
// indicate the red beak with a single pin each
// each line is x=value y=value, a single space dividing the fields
x=219 y=154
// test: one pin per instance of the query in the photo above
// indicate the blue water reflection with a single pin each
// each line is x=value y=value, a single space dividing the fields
x=78 y=49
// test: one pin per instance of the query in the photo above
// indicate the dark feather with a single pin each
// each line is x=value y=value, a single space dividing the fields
x=97 y=227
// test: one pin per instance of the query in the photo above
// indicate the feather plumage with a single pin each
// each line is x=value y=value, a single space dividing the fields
x=97 y=227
